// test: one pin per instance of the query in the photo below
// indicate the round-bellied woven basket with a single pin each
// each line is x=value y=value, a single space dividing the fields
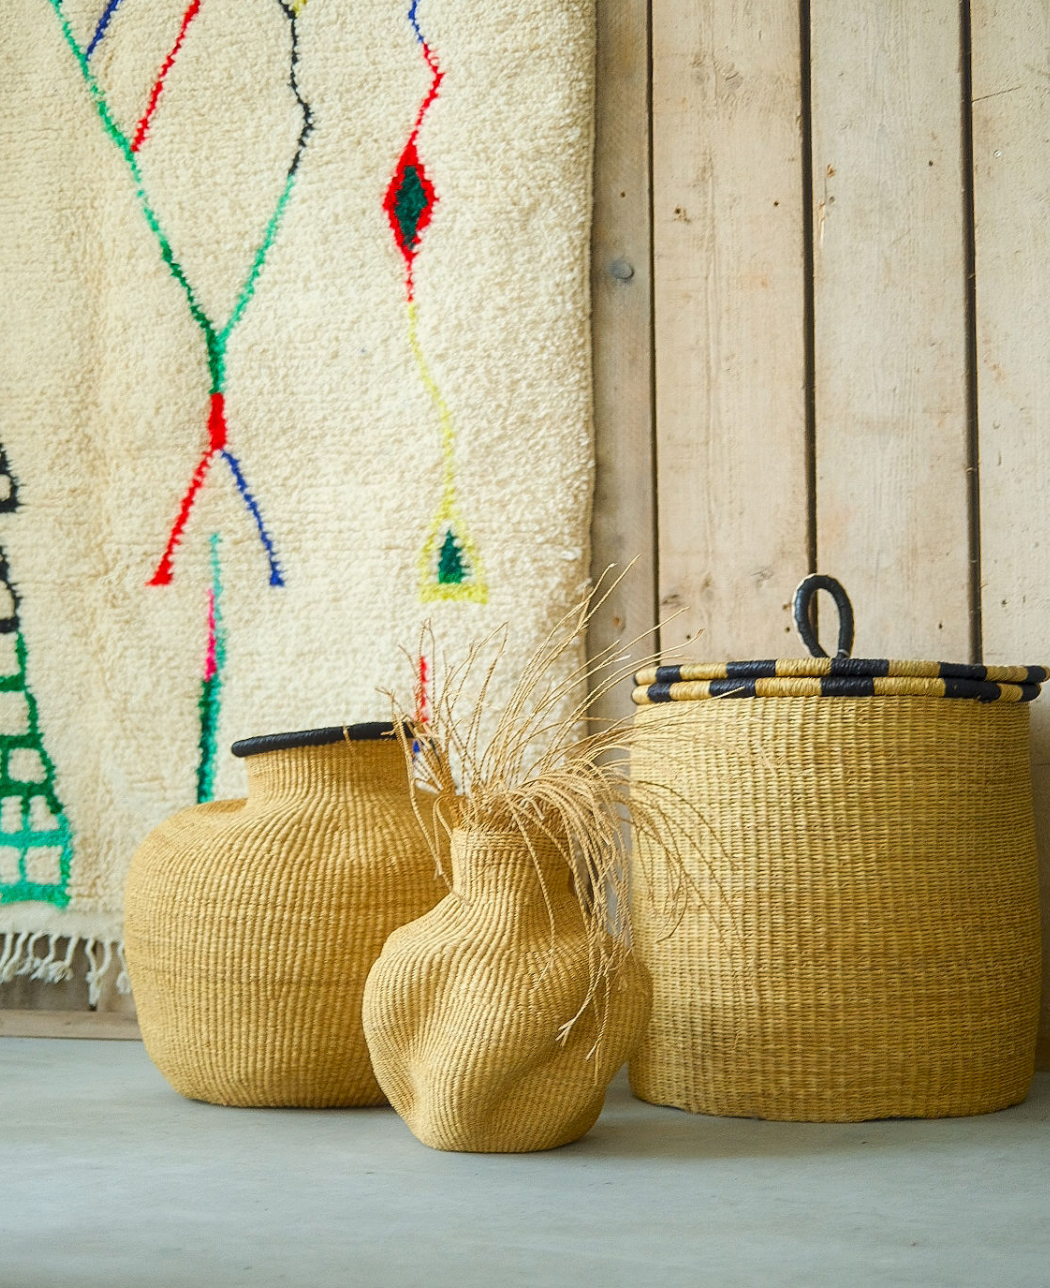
x=251 y=925
x=859 y=935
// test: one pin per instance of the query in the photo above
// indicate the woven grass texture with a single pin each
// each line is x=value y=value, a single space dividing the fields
x=295 y=356
x=863 y=936
x=252 y=924
x=464 y=1007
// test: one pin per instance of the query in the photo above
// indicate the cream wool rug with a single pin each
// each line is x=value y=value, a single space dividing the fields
x=295 y=356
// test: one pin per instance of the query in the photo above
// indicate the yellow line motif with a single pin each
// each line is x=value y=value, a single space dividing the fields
x=448 y=518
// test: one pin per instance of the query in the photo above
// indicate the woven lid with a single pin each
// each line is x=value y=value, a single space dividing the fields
x=841 y=676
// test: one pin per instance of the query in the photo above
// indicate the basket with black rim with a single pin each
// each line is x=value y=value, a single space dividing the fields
x=860 y=936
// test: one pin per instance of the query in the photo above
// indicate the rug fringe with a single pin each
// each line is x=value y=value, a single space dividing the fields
x=19 y=957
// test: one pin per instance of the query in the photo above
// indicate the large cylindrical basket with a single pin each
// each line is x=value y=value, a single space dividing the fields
x=859 y=926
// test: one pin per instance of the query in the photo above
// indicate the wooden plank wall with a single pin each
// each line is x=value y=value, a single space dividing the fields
x=852 y=326
x=730 y=297
x=821 y=331
x=851 y=313
x=890 y=313
x=1011 y=198
x=624 y=517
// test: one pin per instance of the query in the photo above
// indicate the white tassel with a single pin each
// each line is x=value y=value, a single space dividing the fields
x=42 y=965
x=18 y=957
x=13 y=958
x=92 y=972
x=63 y=970
x=7 y=952
x=97 y=972
x=29 y=960
x=123 y=979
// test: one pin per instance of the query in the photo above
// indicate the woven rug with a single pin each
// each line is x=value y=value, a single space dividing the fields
x=295 y=356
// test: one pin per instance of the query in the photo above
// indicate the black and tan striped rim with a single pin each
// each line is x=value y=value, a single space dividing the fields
x=838 y=678
x=841 y=676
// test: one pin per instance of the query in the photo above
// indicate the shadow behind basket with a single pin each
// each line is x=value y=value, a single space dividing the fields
x=866 y=943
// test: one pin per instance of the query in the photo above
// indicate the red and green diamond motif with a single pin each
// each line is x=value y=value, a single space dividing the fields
x=410 y=202
x=448 y=565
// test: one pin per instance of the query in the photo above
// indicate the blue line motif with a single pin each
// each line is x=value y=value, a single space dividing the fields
x=276 y=576
x=103 y=23
x=415 y=21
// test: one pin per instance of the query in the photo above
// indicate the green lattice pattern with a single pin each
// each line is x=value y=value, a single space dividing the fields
x=36 y=844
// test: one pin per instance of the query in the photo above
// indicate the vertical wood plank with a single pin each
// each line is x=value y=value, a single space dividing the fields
x=622 y=526
x=729 y=281
x=1011 y=134
x=890 y=319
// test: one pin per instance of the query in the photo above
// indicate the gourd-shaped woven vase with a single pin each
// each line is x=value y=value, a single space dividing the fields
x=463 y=1008
x=251 y=925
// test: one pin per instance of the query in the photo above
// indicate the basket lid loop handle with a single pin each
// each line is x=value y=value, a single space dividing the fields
x=804 y=616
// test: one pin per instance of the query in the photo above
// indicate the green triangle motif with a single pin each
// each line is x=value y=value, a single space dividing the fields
x=36 y=841
x=453 y=568
x=449 y=568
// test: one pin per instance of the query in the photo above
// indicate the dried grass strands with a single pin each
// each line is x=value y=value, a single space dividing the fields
x=547 y=773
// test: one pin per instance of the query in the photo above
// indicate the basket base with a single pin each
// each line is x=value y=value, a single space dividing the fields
x=866 y=1098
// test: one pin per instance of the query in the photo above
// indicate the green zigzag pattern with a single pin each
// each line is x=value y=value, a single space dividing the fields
x=31 y=844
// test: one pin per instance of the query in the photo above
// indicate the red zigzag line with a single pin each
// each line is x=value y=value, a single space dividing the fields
x=169 y=62
x=410 y=157
x=435 y=85
x=216 y=444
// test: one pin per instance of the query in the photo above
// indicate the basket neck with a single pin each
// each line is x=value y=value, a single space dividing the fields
x=337 y=770
x=506 y=872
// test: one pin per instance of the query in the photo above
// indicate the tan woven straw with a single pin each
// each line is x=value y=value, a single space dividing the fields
x=463 y=1009
x=862 y=937
x=251 y=925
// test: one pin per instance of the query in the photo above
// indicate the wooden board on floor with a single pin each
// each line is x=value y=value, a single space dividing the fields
x=890 y=308
x=623 y=523
x=1011 y=108
x=729 y=282
x=67 y=1024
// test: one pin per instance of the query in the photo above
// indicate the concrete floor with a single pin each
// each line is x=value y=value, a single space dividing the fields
x=109 y=1180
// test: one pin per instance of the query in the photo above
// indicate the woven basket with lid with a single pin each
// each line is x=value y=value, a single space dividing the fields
x=865 y=940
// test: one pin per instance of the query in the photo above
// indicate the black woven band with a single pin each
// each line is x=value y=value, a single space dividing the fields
x=369 y=732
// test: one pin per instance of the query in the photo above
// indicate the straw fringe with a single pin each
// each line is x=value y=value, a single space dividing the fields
x=565 y=780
